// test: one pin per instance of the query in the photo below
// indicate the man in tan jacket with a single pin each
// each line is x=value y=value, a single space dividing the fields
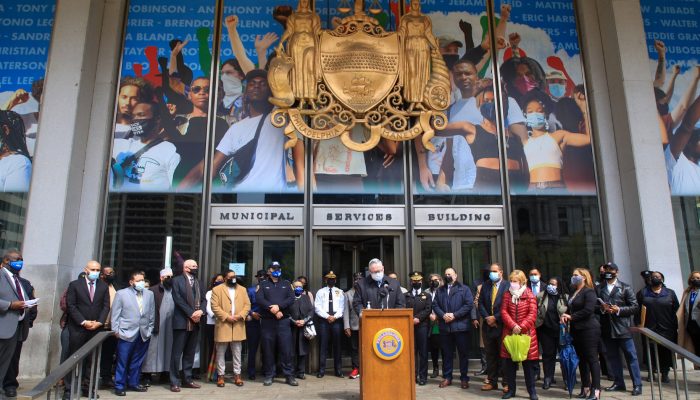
x=230 y=304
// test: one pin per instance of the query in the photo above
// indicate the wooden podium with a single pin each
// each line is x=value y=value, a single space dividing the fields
x=387 y=356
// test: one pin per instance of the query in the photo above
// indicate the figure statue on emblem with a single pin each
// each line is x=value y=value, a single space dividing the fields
x=418 y=43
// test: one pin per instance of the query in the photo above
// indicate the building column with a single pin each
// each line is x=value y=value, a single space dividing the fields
x=636 y=201
x=64 y=211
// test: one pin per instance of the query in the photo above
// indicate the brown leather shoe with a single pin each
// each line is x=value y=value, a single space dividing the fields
x=175 y=388
x=191 y=385
x=237 y=380
x=465 y=385
x=220 y=381
x=445 y=383
x=488 y=387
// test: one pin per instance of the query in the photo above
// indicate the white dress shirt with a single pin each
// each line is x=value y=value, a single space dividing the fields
x=321 y=302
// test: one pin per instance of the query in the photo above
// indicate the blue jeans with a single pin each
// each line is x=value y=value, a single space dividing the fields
x=613 y=347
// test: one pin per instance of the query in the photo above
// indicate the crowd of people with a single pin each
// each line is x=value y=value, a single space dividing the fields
x=157 y=328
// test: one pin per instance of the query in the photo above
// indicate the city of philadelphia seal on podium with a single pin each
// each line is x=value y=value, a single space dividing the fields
x=388 y=344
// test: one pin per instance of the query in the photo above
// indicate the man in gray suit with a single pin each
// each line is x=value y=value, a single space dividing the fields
x=12 y=309
x=133 y=319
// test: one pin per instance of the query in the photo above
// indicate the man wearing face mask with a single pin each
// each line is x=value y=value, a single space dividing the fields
x=556 y=84
x=132 y=90
x=329 y=306
x=252 y=326
x=435 y=345
x=351 y=323
x=15 y=318
x=159 y=348
x=109 y=346
x=274 y=296
x=377 y=291
x=231 y=305
x=133 y=321
x=452 y=306
x=617 y=309
x=145 y=161
x=490 y=309
x=422 y=305
x=87 y=301
x=190 y=303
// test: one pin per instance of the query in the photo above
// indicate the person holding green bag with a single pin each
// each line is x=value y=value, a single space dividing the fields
x=519 y=313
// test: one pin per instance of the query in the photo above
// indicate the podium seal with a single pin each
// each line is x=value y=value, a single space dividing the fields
x=388 y=344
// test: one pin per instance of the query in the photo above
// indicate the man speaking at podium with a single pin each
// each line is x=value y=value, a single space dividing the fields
x=377 y=291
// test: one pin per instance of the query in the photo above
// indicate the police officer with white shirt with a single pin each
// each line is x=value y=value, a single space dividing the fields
x=329 y=306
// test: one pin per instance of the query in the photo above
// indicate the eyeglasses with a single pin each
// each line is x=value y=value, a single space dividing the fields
x=197 y=89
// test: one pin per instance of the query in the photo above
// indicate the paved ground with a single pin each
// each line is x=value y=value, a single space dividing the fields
x=332 y=388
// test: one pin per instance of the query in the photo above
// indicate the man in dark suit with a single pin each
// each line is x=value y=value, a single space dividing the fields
x=422 y=305
x=377 y=290
x=490 y=309
x=10 y=382
x=190 y=304
x=87 y=300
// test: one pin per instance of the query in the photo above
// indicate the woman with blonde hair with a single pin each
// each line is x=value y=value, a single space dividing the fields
x=689 y=315
x=585 y=331
x=519 y=313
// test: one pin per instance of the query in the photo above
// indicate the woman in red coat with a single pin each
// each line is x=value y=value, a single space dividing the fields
x=519 y=313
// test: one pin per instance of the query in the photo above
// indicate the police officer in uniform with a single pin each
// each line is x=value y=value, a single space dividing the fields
x=329 y=306
x=422 y=305
x=274 y=296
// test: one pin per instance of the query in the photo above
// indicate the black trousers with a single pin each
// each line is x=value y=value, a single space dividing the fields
x=435 y=349
x=549 y=340
x=694 y=330
x=333 y=333
x=252 y=334
x=586 y=346
x=528 y=369
x=184 y=346
x=494 y=369
x=276 y=339
x=458 y=341
x=208 y=332
x=10 y=380
x=355 y=349
x=109 y=349
x=420 y=335
x=76 y=339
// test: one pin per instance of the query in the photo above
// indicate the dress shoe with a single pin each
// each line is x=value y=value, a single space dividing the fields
x=237 y=380
x=445 y=383
x=465 y=385
x=595 y=395
x=546 y=384
x=291 y=381
x=191 y=385
x=11 y=392
x=508 y=395
x=267 y=381
x=320 y=375
x=301 y=376
x=421 y=382
x=583 y=394
x=251 y=377
x=434 y=374
x=664 y=378
x=175 y=388
x=615 y=388
x=637 y=390
x=534 y=397
x=488 y=386
x=220 y=381
x=339 y=374
x=482 y=371
x=119 y=392
x=139 y=388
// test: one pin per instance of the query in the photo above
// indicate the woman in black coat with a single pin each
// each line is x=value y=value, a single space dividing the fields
x=300 y=312
x=585 y=331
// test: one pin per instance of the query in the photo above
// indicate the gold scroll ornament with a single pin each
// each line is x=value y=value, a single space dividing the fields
x=324 y=82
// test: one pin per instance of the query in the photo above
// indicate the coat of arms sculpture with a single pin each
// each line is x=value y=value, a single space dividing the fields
x=326 y=82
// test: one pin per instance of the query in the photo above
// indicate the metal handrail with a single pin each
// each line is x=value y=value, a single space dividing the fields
x=678 y=352
x=73 y=365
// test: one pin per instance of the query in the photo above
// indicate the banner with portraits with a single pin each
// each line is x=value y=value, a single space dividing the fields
x=673 y=42
x=25 y=29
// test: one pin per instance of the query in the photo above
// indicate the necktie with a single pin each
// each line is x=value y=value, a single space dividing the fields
x=139 y=300
x=693 y=296
x=92 y=290
x=18 y=288
x=494 y=293
x=330 y=302
x=535 y=289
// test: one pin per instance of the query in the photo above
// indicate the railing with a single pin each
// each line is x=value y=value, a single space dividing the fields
x=72 y=366
x=676 y=350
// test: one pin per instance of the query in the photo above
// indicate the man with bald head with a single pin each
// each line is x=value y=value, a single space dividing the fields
x=87 y=302
x=190 y=304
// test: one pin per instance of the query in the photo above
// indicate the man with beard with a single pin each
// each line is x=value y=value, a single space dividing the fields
x=158 y=355
x=131 y=92
x=145 y=161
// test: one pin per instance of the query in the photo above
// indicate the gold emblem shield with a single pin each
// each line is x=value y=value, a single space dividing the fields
x=360 y=70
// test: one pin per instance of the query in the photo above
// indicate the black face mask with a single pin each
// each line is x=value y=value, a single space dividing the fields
x=450 y=60
x=168 y=283
x=194 y=272
x=416 y=286
x=656 y=282
x=434 y=284
x=231 y=282
x=609 y=275
x=448 y=279
x=696 y=283
x=142 y=127
x=330 y=282
x=109 y=279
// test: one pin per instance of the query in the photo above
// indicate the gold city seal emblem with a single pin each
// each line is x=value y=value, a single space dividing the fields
x=326 y=82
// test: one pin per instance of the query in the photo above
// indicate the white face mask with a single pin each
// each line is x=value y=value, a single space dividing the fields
x=232 y=85
x=378 y=276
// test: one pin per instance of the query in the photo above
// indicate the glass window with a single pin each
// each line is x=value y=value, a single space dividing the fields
x=26 y=30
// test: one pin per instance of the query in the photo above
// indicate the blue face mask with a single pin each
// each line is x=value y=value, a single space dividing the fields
x=298 y=291
x=139 y=286
x=534 y=278
x=552 y=290
x=557 y=90
x=576 y=280
x=93 y=275
x=536 y=120
x=16 y=265
x=276 y=273
x=493 y=276
x=488 y=110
